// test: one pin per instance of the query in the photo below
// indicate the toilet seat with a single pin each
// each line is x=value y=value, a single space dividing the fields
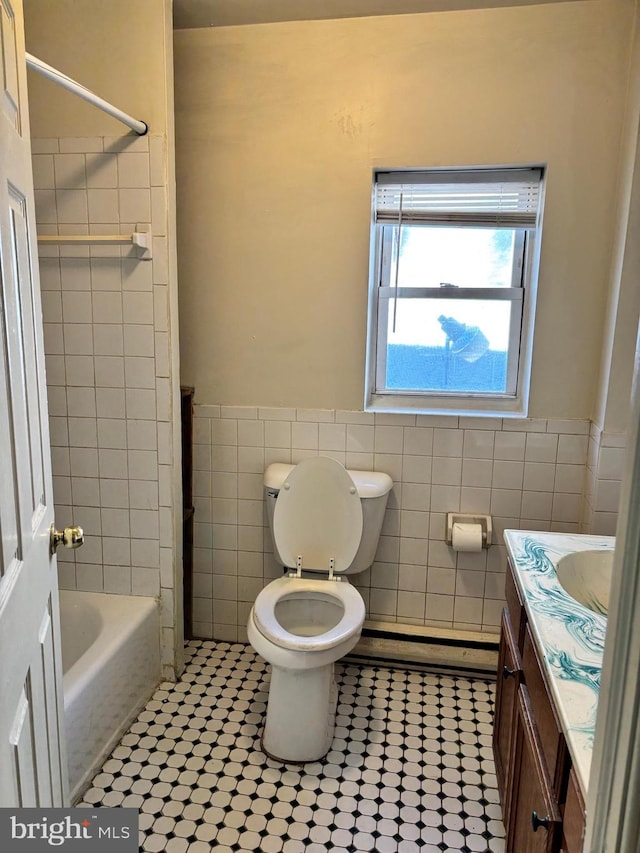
x=347 y=596
x=317 y=522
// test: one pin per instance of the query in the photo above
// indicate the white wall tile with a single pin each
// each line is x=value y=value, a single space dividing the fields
x=446 y=471
x=113 y=463
x=137 y=306
x=110 y=402
x=412 y=578
x=469 y=584
x=567 y=507
x=83 y=462
x=107 y=307
x=537 y=505
x=139 y=372
x=348 y=417
x=330 y=437
x=43 y=175
x=414 y=524
x=101 y=171
x=415 y=469
x=569 y=478
x=445 y=498
x=506 y=502
x=360 y=438
x=472 y=561
x=468 y=610
x=571 y=427
x=71 y=206
x=524 y=424
x=108 y=339
x=78 y=370
x=114 y=493
x=387 y=419
x=109 y=371
x=612 y=462
x=106 y=275
x=477 y=472
x=277 y=434
x=250 y=433
x=143 y=464
x=439 y=608
x=69 y=170
x=102 y=205
x=539 y=476
x=441 y=554
x=478 y=444
x=133 y=170
x=572 y=449
x=441 y=580
x=475 y=500
x=447 y=442
x=410 y=606
x=388 y=439
x=135 y=205
x=541 y=447
x=416 y=496
x=607 y=496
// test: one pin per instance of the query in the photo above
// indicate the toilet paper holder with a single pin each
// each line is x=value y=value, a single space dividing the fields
x=469 y=518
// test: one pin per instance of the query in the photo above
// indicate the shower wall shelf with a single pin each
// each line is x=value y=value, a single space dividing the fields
x=140 y=239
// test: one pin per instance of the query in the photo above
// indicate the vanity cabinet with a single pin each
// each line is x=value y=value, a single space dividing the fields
x=509 y=672
x=542 y=806
x=535 y=817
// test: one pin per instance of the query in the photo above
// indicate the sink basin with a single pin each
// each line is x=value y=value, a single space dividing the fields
x=586 y=576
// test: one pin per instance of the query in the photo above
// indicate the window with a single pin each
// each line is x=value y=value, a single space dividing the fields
x=454 y=255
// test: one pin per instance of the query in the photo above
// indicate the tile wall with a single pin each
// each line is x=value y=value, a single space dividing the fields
x=107 y=344
x=526 y=473
x=605 y=465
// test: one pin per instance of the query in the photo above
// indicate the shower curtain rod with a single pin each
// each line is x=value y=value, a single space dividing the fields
x=140 y=127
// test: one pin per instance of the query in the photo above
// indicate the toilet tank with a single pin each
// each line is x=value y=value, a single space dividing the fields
x=373 y=488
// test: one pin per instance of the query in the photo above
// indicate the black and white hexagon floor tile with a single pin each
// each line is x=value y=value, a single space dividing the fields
x=410 y=768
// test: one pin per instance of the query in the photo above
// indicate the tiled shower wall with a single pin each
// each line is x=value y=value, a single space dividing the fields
x=107 y=344
x=527 y=474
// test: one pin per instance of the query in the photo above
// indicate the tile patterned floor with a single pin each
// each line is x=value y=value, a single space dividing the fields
x=410 y=768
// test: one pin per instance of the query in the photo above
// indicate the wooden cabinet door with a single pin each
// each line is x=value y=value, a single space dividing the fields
x=573 y=818
x=509 y=669
x=534 y=821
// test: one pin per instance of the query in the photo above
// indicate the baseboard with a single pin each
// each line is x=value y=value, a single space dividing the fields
x=431 y=649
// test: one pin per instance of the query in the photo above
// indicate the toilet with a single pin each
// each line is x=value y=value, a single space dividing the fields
x=325 y=522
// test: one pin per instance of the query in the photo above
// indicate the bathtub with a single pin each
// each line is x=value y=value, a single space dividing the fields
x=111 y=664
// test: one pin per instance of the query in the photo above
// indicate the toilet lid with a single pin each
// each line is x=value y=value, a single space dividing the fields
x=318 y=516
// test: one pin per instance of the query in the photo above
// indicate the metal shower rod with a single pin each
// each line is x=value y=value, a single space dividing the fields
x=140 y=127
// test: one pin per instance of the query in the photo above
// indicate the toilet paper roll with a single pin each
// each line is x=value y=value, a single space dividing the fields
x=466 y=537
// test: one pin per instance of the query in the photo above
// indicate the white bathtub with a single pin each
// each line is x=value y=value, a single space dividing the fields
x=111 y=663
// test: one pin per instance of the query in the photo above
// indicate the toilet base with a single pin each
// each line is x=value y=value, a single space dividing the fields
x=301 y=713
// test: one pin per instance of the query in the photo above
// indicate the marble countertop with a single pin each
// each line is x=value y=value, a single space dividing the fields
x=570 y=637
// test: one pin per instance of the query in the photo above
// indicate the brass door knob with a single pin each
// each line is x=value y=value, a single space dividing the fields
x=70 y=537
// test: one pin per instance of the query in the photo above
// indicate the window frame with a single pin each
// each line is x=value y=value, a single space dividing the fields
x=513 y=402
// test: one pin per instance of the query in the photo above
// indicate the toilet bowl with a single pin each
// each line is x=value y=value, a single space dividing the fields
x=305 y=621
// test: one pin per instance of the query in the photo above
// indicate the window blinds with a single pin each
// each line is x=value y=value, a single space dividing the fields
x=505 y=198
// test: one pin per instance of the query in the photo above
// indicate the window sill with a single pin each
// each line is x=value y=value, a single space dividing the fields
x=470 y=406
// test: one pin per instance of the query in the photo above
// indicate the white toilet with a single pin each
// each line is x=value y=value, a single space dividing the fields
x=325 y=522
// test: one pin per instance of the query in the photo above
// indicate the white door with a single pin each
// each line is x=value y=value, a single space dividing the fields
x=32 y=754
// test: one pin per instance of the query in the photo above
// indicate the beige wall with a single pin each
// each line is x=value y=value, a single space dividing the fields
x=118 y=49
x=278 y=130
x=623 y=310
